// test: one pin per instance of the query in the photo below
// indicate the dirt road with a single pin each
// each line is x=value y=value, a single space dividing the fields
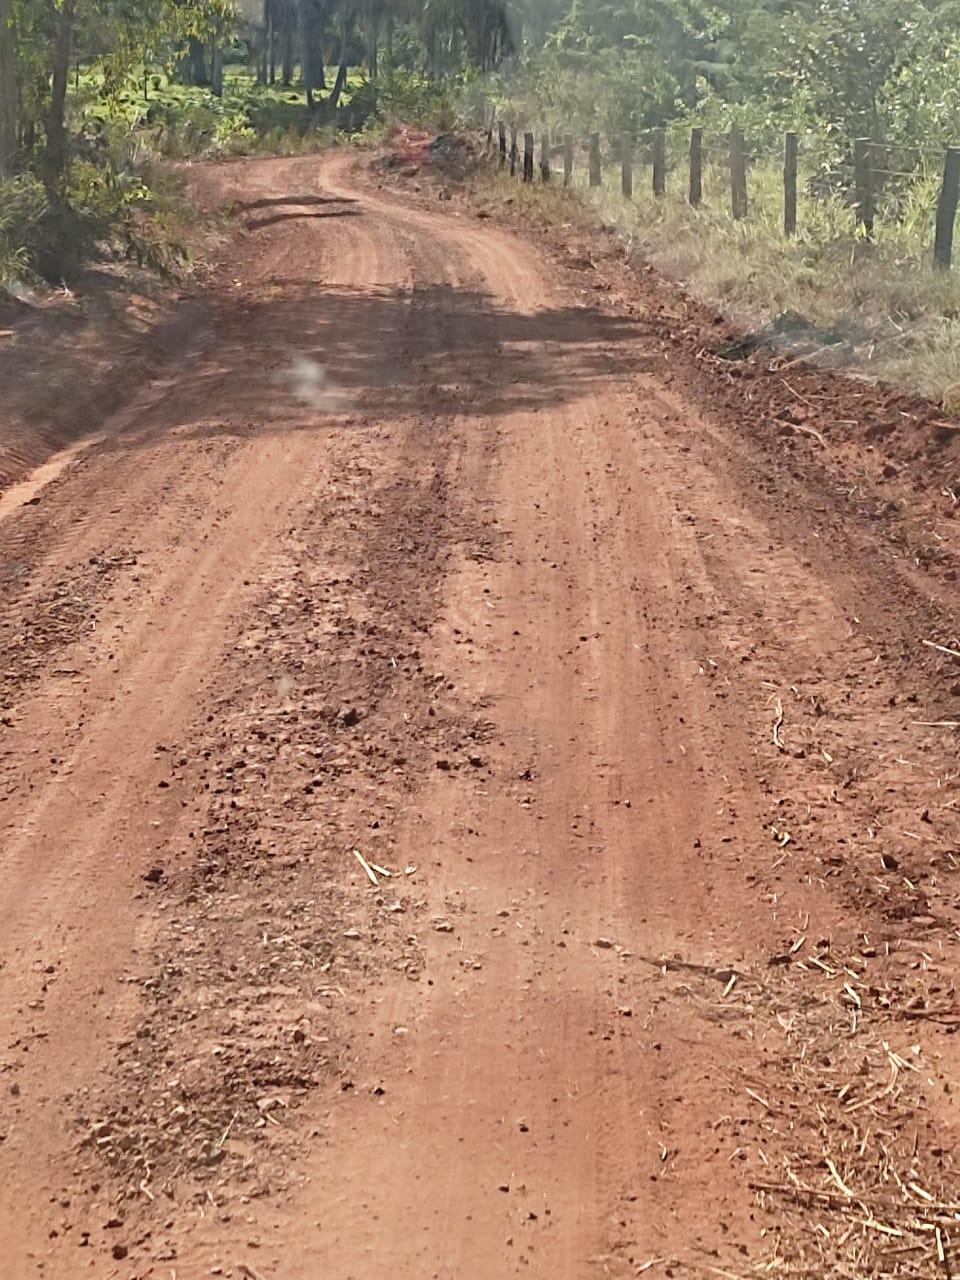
x=470 y=805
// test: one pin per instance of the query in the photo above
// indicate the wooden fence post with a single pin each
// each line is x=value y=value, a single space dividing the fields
x=738 y=175
x=659 y=162
x=626 y=166
x=947 y=209
x=545 y=156
x=568 y=159
x=863 y=179
x=595 y=165
x=790 y=155
x=528 y=157
x=502 y=130
x=696 y=167
x=514 y=153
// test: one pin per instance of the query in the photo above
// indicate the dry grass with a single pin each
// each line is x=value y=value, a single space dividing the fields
x=843 y=1159
x=887 y=313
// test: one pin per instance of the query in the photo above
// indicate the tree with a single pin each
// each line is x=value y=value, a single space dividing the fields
x=844 y=55
x=55 y=123
x=8 y=89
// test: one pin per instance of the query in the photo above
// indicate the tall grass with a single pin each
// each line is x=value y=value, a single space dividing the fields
x=23 y=206
x=880 y=305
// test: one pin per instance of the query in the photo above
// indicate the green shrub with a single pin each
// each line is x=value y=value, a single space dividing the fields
x=23 y=208
x=110 y=202
x=413 y=98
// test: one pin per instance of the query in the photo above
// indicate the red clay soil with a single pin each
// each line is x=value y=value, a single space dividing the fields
x=475 y=798
x=68 y=359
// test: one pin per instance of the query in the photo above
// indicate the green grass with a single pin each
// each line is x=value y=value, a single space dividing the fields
x=898 y=316
x=183 y=120
x=115 y=200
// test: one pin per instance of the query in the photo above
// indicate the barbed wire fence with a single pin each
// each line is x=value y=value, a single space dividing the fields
x=862 y=172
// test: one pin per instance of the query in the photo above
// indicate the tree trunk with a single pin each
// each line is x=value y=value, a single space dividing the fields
x=432 y=52
x=8 y=91
x=284 y=19
x=216 y=63
x=195 y=63
x=56 y=157
x=333 y=101
x=29 y=124
x=373 y=44
x=258 y=45
x=287 y=49
x=333 y=97
x=311 y=44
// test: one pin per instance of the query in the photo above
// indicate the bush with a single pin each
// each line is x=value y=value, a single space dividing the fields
x=23 y=208
x=413 y=98
x=110 y=202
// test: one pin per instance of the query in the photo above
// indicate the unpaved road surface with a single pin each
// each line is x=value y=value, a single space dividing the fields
x=472 y=804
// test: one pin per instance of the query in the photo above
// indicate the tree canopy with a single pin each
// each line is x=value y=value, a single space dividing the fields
x=878 y=68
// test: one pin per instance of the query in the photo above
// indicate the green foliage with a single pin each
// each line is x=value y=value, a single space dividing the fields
x=88 y=88
x=186 y=77
x=110 y=202
x=884 y=69
x=183 y=120
x=418 y=99
x=583 y=91
x=23 y=206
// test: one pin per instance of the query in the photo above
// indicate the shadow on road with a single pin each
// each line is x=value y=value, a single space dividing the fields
x=257 y=224
x=437 y=351
x=273 y=202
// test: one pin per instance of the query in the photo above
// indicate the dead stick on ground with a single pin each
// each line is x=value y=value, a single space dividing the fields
x=226 y=1133
x=777 y=726
x=756 y=1097
x=941 y=648
x=803 y=430
x=794 y=392
x=798 y=1191
x=838 y=1180
x=371 y=874
x=807 y=431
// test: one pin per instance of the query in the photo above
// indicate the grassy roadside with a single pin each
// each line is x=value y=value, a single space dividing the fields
x=878 y=309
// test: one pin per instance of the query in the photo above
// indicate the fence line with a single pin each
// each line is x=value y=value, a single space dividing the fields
x=737 y=156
